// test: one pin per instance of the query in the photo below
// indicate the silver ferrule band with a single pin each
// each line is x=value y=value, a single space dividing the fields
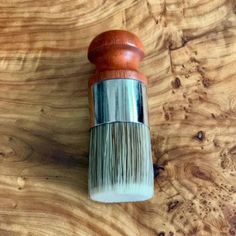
x=118 y=100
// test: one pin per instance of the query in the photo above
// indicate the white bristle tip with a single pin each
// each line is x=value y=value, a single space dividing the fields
x=129 y=193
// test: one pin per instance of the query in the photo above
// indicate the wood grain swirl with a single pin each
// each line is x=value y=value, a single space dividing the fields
x=44 y=120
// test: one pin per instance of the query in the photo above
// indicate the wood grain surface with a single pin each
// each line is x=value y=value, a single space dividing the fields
x=44 y=122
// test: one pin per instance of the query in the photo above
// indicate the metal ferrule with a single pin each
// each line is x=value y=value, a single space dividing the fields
x=118 y=100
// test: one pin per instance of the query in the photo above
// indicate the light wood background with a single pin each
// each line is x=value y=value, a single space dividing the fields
x=44 y=122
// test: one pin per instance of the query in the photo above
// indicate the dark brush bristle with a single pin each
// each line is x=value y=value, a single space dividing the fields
x=120 y=162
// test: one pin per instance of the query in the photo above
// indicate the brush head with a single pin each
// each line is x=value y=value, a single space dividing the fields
x=120 y=164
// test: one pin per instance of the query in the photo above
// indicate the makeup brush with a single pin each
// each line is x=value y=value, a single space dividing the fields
x=120 y=161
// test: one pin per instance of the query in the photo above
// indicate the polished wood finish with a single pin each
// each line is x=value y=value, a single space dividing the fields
x=190 y=64
x=116 y=54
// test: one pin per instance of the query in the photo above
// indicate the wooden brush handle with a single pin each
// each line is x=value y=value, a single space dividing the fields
x=116 y=54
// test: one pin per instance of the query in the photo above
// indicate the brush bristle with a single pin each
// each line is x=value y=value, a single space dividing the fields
x=120 y=163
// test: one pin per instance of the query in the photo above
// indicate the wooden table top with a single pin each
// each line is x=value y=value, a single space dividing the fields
x=44 y=122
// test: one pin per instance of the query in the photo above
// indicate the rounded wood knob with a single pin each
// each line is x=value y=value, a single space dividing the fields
x=116 y=54
x=116 y=49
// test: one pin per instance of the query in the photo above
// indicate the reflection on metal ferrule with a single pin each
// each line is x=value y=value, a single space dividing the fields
x=119 y=100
